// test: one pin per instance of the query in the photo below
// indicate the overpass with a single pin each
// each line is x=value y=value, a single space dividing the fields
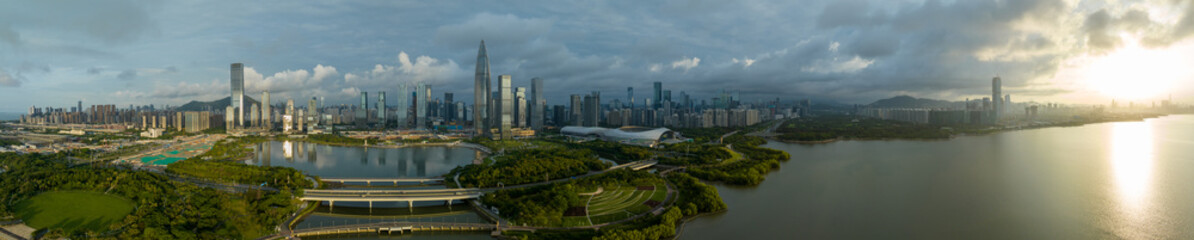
x=637 y=165
x=387 y=228
x=395 y=181
x=408 y=196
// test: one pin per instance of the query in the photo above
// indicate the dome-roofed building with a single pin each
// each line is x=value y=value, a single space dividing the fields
x=627 y=135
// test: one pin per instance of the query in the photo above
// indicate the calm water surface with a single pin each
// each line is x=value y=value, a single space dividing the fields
x=362 y=162
x=1132 y=180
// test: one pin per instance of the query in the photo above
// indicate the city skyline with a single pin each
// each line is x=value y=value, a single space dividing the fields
x=117 y=66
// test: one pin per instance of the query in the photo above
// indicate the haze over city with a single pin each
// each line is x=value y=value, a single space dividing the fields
x=853 y=52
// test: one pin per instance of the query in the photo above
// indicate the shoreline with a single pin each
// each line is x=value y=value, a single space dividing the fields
x=976 y=133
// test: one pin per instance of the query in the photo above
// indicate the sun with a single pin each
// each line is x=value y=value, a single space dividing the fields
x=1133 y=72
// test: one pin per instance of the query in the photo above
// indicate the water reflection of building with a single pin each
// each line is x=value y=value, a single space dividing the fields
x=288 y=151
x=268 y=152
x=364 y=156
x=311 y=156
x=381 y=157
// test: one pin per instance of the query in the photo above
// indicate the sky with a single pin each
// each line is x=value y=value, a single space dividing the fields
x=54 y=53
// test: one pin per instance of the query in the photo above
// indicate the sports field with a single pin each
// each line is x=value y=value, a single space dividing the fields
x=71 y=210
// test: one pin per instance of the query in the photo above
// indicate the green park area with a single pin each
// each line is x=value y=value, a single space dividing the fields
x=73 y=210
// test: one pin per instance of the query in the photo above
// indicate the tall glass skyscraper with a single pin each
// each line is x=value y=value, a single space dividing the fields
x=997 y=97
x=381 y=109
x=658 y=98
x=538 y=104
x=481 y=91
x=506 y=105
x=238 y=92
x=630 y=96
x=403 y=106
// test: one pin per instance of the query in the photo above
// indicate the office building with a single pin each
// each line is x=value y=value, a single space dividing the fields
x=996 y=97
x=538 y=104
x=266 y=120
x=506 y=105
x=658 y=98
x=575 y=107
x=630 y=96
x=238 y=93
x=403 y=106
x=481 y=91
x=381 y=109
x=520 y=107
x=449 y=109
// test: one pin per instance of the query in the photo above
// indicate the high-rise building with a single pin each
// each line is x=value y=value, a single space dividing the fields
x=381 y=109
x=630 y=96
x=658 y=98
x=312 y=111
x=538 y=104
x=428 y=107
x=420 y=106
x=362 y=118
x=592 y=106
x=80 y=108
x=996 y=99
x=506 y=105
x=559 y=117
x=449 y=109
x=575 y=107
x=266 y=121
x=667 y=95
x=403 y=106
x=520 y=107
x=481 y=91
x=238 y=93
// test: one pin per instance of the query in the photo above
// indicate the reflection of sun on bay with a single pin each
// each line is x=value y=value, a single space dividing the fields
x=1132 y=163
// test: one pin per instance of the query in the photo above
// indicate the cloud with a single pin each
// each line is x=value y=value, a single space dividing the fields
x=686 y=64
x=497 y=30
x=746 y=62
x=127 y=75
x=8 y=80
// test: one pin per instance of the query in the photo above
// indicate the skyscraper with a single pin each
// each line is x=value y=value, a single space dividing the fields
x=996 y=97
x=238 y=93
x=481 y=92
x=403 y=107
x=575 y=107
x=449 y=109
x=658 y=98
x=363 y=111
x=506 y=105
x=312 y=111
x=520 y=107
x=630 y=96
x=381 y=109
x=420 y=106
x=538 y=104
x=266 y=121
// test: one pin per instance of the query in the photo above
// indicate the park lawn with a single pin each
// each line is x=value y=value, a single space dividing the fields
x=734 y=156
x=623 y=202
x=73 y=210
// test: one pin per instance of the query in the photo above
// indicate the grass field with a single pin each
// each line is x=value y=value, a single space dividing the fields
x=734 y=156
x=623 y=202
x=73 y=210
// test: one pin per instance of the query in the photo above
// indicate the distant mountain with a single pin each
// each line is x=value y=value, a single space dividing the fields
x=217 y=105
x=911 y=102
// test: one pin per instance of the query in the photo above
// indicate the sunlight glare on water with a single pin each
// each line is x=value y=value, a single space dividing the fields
x=1132 y=166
